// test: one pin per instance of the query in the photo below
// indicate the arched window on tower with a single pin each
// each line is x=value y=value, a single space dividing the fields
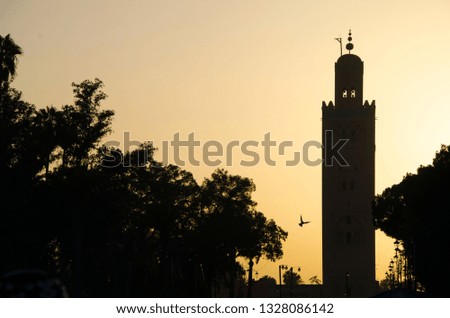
x=344 y=93
x=353 y=93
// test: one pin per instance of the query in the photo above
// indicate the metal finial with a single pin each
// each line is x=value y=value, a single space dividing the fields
x=340 y=43
x=349 y=45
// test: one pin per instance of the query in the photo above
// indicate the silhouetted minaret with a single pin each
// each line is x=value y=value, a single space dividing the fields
x=348 y=235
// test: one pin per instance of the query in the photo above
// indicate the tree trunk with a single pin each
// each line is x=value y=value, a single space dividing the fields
x=250 y=279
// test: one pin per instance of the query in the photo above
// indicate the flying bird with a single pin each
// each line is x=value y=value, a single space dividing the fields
x=302 y=222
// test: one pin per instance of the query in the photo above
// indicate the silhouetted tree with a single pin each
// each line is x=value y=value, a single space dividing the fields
x=15 y=129
x=231 y=228
x=18 y=168
x=45 y=131
x=168 y=201
x=23 y=238
x=109 y=223
x=292 y=277
x=225 y=204
x=267 y=280
x=83 y=125
x=262 y=239
x=53 y=223
x=417 y=211
x=8 y=59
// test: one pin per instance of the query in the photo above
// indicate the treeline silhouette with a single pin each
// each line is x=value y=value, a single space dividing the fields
x=113 y=224
x=416 y=212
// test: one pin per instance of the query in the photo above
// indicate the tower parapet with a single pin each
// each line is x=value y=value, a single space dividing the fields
x=365 y=109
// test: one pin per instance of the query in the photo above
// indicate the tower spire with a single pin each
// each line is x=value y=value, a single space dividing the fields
x=349 y=45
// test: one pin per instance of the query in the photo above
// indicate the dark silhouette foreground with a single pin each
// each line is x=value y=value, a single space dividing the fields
x=113 y=224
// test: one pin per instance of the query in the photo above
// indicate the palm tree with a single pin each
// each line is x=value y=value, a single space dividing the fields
x=8 y=59
x=46 y=121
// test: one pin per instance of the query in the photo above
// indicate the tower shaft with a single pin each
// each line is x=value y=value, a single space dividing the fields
x=348 y=234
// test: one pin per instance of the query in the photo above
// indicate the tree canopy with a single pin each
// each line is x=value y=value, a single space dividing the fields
x=108 y=223
x=292 y=277
x=417 y=212
x=9 y=51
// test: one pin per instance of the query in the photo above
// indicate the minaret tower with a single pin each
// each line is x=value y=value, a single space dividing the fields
x=348 y=186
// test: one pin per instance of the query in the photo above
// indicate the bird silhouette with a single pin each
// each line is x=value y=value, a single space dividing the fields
x=303 y=222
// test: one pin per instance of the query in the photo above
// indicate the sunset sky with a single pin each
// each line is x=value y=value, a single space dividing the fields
x=236 y=70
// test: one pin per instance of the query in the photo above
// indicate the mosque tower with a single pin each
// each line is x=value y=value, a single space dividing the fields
x=348 y=184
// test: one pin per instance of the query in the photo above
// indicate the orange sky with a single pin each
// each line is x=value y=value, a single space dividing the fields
x=236 y=70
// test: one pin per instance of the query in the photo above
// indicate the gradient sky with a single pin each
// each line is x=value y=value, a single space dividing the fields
x=236 y=70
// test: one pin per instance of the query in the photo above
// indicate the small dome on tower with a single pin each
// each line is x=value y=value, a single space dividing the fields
x=349 y=59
